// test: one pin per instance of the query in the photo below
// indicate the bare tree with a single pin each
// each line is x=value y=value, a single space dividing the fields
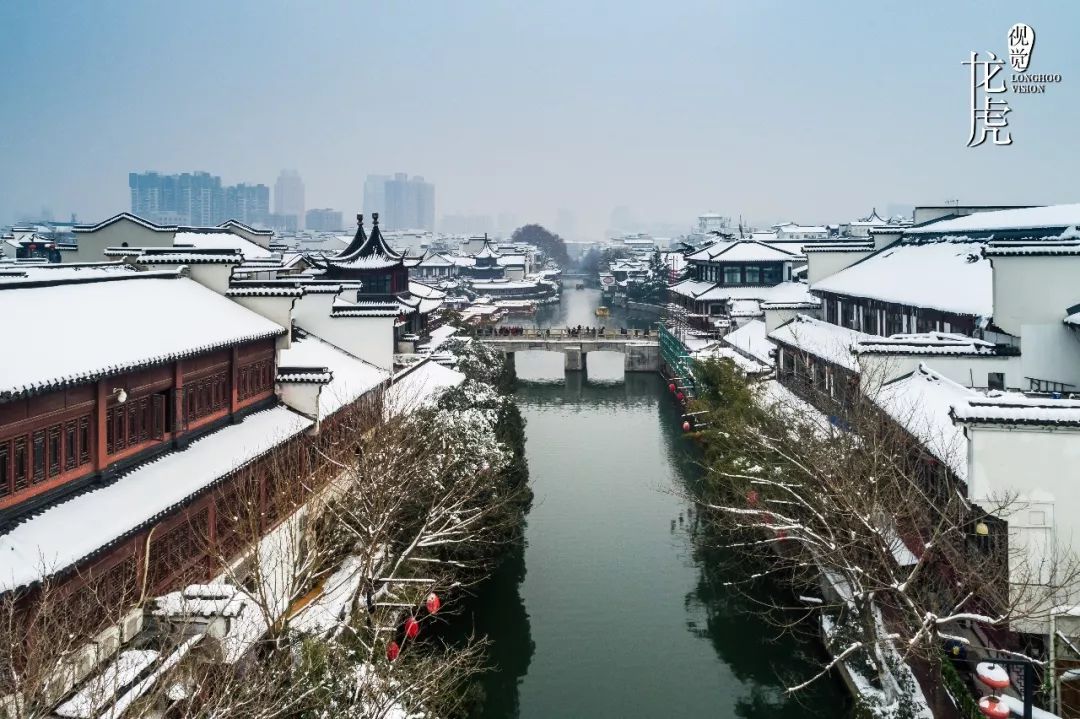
x=873 y=528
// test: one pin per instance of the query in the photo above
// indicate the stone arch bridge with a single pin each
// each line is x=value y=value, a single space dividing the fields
x=641 y=353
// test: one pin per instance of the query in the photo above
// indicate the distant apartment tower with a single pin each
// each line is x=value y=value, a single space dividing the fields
x=249 y=204
x=289 y=196
x=375 y=193
x=404 y=204
x=196 y=199
x=325 y=220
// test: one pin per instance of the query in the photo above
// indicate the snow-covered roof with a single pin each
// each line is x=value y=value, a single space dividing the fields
x=745 y=365
x=25 y=272
x=741 y=251
x=1067 y=243
x=272 y=291
x=774 y=396
x=434 y=259
x=1016 y=408
x=927 y=343
x=948 y=276
x=511 y=260
x=752 y=339
x=502 y=285
x=920 y=402
x=1054 y=216
x=210 y=239
x=839 y=246
x=419 y=386
x=352 y=377
x=61 y=535
x=829 y=342
x=141 y=319
x=438 y=336
x=785 y=292
x=189 y=258
x=124 y=216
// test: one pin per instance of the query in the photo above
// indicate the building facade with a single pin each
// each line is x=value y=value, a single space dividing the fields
x=289 y=196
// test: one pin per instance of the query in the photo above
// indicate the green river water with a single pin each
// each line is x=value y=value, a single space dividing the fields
x=608 y=611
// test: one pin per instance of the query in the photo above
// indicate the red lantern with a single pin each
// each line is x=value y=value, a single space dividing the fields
x=392 y=651
x=686 y=426
x=781 y=534
x=671 y=387
x=994 y=707
x=752 y=497
x=680 y=396
x=412 y=628
x=433 y=603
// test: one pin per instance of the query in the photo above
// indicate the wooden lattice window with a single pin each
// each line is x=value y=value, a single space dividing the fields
x=5 y=469
x=173 y=554
x=21 y=464
x=54 y=450
x=38 y=455
x=71 y=447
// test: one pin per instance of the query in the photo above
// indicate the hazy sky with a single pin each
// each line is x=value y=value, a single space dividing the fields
x=810 y=111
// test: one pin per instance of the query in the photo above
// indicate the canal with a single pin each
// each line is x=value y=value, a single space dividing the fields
x=609 y=611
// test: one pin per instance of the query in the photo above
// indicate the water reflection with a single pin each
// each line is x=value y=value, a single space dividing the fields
x=617 y=615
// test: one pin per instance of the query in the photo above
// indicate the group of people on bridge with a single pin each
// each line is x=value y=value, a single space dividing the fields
x=578 y=331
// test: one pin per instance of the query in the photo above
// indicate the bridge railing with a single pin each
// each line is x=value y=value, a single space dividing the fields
x=592 y=333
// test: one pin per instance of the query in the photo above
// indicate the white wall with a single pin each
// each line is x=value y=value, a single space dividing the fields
x=92 y=245
x=820 y=265
x=1036 y=473
x=1031 y=295
x=369 y=338
x=1015 y=303
x=302 y=397
x=968 y=371
x=776 y=317
x=275 y=309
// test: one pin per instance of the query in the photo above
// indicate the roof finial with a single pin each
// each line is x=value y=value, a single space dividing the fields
x=359 y=220
x=374 y=219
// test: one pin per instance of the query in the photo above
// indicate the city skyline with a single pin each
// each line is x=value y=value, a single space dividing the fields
x=760 y=110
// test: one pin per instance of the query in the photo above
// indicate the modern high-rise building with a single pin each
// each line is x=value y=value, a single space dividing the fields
x=324 y=220
x=403 y=203
x=196 y=199
x=289 y=195
x=249 y=204
x=375 y=193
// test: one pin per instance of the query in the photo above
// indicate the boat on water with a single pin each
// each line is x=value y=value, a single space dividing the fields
x=603 y=312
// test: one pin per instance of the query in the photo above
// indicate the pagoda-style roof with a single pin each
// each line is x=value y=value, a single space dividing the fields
x=368 y=249
x=364 y=252
x=487 y=250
